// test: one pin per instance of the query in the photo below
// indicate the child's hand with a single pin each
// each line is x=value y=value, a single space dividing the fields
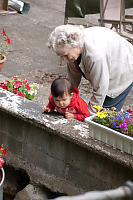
x=69 y=115
x=46 y=109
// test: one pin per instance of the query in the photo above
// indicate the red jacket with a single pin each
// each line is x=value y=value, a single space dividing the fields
x=77 y=106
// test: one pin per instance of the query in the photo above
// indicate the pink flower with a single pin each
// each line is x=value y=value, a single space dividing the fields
x=15 y=78
x=17 y=83
x=1 y=162
x=24 y=80
x=21 y=94
x=7 y=81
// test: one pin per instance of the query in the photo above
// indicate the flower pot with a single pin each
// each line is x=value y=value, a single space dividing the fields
x=2 y=62
x=2 y=178
x=109 y=136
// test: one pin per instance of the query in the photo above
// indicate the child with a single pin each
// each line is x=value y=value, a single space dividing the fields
x=65 y=99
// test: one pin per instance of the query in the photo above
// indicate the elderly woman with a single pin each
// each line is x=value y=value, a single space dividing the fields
x=101 y=56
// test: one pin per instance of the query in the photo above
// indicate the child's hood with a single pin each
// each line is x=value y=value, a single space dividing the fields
x=75 y=96
x=75 y=90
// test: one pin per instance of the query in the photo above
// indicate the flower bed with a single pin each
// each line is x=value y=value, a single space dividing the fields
x=21 y=87
x=120 y=121
x=113 y=128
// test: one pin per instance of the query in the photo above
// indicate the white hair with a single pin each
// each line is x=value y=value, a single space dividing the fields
x=66 y=36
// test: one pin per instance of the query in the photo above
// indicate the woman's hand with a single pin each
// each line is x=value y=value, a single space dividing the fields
x=69 y=115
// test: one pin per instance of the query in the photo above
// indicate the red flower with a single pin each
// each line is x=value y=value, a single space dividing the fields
x=129 y=111
x=0 y=146
x=4 y=87
x=4 y=32
x=4 y=151
x=5 y=41
x=27 y=86
x=21 y=94
x=8 y=40
x=15 y=90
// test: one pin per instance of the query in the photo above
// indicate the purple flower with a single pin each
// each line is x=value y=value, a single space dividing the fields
x=126 y=129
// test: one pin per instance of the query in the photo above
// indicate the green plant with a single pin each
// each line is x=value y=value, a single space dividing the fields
x=4 y=42
x=21 y=87
x=120 y=121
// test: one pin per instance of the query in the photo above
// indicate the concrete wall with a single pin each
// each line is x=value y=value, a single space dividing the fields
x=56 y=152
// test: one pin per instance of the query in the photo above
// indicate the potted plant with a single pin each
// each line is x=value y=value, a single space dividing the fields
x=21 y=87
x=4 y=42
x=3 y=151
x=113 y=128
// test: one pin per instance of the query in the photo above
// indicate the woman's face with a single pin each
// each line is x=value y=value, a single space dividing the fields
x=70 y=54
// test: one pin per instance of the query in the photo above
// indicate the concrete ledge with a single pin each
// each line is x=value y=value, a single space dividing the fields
x=56 y=152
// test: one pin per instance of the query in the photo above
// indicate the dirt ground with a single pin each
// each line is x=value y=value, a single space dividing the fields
x=46 y=79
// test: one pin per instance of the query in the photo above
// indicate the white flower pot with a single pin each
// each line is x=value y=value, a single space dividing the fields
x=1 y=183
x=109 y=136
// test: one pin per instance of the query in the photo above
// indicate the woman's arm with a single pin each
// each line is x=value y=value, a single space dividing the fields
x=73 y=74
x=98 y=76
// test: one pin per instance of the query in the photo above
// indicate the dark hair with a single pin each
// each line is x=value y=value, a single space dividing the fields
x=60 y=86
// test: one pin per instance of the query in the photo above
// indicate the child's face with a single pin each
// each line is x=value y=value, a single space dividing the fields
x=63 y=101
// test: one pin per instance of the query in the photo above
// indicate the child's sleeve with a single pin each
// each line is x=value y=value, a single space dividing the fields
x=51 y=103
x=82 y=110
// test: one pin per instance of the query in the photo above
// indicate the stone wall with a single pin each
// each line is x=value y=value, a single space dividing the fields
x=56 y=152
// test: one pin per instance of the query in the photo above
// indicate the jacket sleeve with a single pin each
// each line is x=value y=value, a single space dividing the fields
x=50 y=104
x=73 y=74
x=82 y=110
x=98 y=76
